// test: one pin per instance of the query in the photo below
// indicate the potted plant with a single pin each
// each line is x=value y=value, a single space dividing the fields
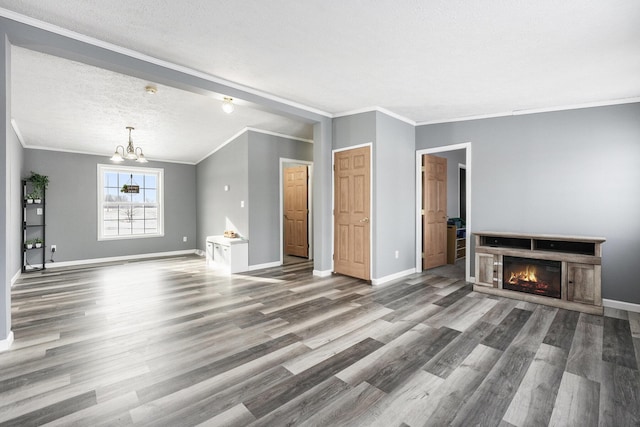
x=124 y=188
x=38 y=242
x=28 y=244
x=29 y=198
x=40 y=183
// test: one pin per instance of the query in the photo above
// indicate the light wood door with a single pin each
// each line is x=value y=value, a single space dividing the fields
x=352 y=181
x=296 y=211
x=434 y=203
x=583 y=283
x=488 y=272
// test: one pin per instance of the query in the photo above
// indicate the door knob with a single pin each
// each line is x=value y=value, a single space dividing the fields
x=365 y=219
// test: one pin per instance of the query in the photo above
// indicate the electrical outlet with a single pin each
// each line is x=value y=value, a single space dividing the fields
x=242 y=203
x=53 y=248
x=39 y=211
x=184 y=239
x=397 y=254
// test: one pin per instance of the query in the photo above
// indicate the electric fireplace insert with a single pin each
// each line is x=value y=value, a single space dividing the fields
x=533 y=276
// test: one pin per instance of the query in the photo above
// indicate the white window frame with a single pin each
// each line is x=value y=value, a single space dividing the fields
x=159 y=172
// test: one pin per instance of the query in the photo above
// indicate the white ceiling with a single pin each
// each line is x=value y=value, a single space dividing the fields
x=65 y=105
x=427 y=61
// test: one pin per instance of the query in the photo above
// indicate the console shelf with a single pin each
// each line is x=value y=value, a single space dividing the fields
x=580 y=258
x=33 y=227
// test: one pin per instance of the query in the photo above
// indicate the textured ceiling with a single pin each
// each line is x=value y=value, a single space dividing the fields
x=65 y=105
x=424 y=60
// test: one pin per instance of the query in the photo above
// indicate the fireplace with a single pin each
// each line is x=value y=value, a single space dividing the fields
x=533 y=276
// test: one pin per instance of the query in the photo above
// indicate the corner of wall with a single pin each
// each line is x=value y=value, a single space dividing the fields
x=5 y=344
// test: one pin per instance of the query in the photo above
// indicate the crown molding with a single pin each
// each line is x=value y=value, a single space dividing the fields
x=523 y=112
x=90 y=153
x=379 y=110
x=465 y=118
x=252 y=129
x=14 y=125
x=280 y=135
x=395 y=116
x=630 y=100
x=219 y=147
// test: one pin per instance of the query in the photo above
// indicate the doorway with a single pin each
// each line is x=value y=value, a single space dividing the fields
x=462 y=191
x=296 y=213
x=434 y=215
x=467 y=193
x=352 y=211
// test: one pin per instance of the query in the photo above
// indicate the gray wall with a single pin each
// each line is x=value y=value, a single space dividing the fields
x=393 y=186
x=72 y=218
x=354 y=130
x=250 y=166
x=454 y=158
x=265 y=152
x=322 y=215
x=218 y=210
x=5 y=213
x=16 y=173
x=394 y=197
x=567 y=172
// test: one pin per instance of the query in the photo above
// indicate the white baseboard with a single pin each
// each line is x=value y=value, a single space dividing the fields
x=621 y=305
x=15 y=277
x=322 y=273
x=118 y=258
x=265 y=265
x=5 y=344
x=391 y=277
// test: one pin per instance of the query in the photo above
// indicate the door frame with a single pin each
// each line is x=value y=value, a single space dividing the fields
x=333 y=201
x=284 y=160
x=467 y=147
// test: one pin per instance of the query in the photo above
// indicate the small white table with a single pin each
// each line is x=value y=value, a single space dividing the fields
x=228 y=255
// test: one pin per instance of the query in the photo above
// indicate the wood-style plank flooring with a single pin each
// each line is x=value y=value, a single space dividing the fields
x=167 y=342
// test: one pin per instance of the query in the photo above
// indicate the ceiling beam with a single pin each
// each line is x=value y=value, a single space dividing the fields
x=39 y=36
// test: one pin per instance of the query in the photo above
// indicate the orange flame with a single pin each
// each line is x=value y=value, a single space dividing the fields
x=529 y=275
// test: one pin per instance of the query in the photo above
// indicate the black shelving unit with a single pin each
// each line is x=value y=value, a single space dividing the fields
x=33 y=226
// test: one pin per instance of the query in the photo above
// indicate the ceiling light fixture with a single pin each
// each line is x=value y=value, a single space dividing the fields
x=151 y=89
x=131 y=153
x=227 y=105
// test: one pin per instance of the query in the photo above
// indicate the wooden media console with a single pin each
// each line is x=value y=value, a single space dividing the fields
x=564 y=272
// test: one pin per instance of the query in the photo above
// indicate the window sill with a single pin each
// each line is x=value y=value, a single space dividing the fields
x=132 y=237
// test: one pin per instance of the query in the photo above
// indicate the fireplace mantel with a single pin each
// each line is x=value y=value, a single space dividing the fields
x=580 y=258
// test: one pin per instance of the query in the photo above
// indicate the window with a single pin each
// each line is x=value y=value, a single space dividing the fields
x=129 y=215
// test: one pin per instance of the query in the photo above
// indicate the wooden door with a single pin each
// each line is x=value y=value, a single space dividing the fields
x=296 y=211
x=487 y=270
x=352 y=181
x=581 y=283
x=434 y=204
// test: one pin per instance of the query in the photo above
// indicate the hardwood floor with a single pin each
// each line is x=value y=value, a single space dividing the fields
x=167 y=342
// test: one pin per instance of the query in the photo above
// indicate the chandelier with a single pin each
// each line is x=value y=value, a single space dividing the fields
x=131 y=153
